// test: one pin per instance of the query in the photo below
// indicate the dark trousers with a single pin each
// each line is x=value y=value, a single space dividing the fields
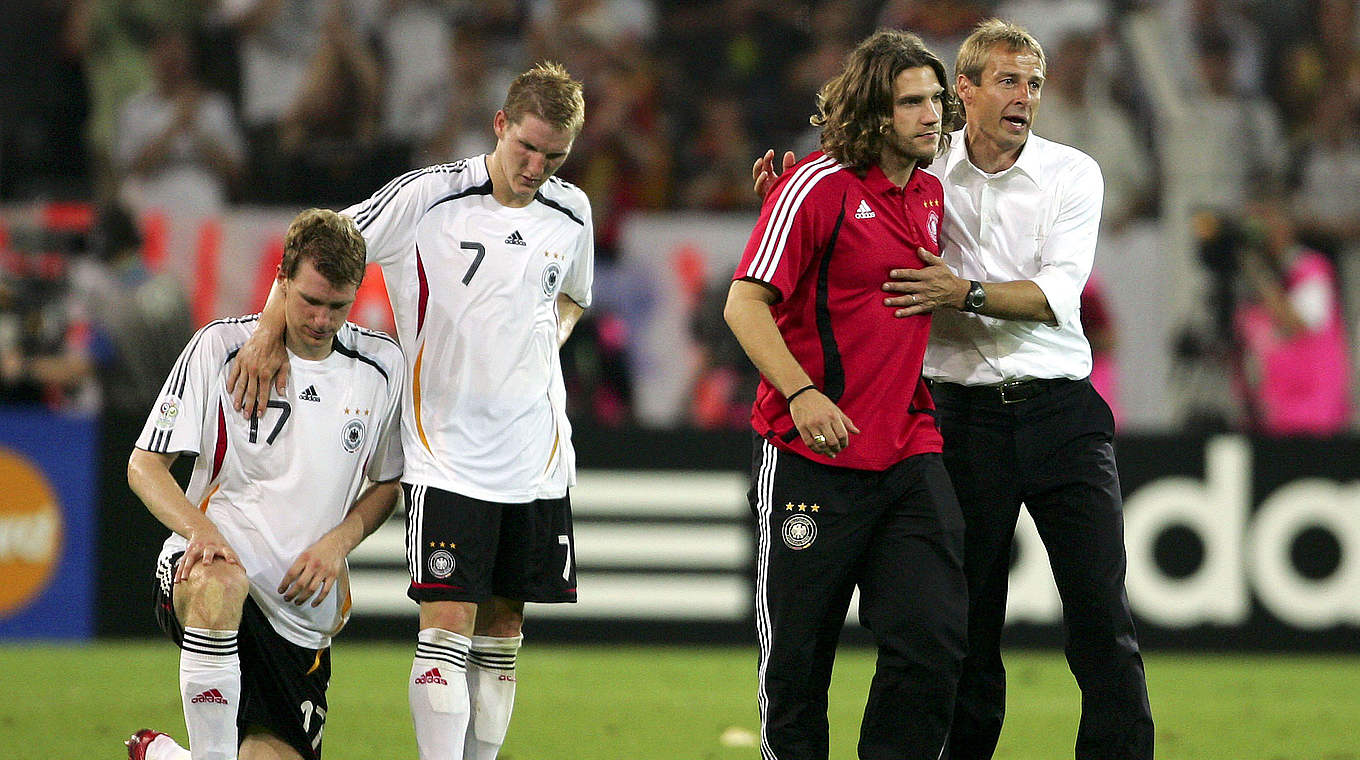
x=1053 y=452
x=898 y=536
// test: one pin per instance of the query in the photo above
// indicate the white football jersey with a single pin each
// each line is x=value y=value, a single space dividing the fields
x=275 y=485
x=473 y=286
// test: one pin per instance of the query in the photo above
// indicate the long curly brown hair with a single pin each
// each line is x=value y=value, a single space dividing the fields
x=855 y=108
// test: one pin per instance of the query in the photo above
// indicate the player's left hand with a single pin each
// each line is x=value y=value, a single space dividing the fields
x=926 y=289
x=314 y=572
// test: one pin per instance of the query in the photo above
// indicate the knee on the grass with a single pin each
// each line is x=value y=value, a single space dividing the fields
x=212 y=596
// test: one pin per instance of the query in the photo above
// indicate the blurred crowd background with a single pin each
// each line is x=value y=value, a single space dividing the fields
x=1228 y=131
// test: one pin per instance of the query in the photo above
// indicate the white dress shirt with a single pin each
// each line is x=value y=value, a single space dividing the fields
x=1037 y=221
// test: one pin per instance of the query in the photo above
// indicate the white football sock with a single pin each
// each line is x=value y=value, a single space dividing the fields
x=210 y=687
x=491 y=687
x=165 y=748
x=438 y=693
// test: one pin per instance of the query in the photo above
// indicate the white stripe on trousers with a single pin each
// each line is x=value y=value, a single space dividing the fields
x=764 y=634
x=764 y=497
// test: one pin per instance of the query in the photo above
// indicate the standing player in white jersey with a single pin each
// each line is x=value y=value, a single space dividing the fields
x=488 y=263
x=253 y=582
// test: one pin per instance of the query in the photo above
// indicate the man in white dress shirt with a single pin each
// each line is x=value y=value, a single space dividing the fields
x=1021 y=422
x=1009 y=366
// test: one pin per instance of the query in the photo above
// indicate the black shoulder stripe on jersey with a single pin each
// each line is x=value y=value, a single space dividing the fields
x=371 y=333
x=482 y=189
x=383 y=195
x=833 y=379
x=558 y=181
x=181 y=369
x=179 y=375
x=159 y=440
x=555 y=205
x=353 y=354
x=380 y=200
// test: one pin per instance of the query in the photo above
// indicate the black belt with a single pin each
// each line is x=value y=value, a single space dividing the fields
x=1010 y=392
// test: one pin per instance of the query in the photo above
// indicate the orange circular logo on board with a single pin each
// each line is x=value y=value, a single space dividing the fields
x=30 y=531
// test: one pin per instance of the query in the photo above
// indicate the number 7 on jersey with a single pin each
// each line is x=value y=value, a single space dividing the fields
x=476 y=262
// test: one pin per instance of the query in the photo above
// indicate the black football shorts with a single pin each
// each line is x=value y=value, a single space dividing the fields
x=283 y=685
x=463 y=549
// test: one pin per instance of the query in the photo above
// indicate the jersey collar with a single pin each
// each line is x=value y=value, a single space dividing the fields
x=879 y=183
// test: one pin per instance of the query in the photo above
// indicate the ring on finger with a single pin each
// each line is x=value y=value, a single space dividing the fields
x=819 y=439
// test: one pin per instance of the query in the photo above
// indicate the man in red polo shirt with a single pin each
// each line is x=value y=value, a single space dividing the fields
x=849 y=488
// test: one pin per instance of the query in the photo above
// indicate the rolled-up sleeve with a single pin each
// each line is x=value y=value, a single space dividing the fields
x=1070 y=247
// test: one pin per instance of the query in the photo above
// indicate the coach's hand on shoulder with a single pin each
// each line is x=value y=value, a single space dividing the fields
x=825 y=429
x=315 y=571
x=259 y=361
x=206 y=545
x=763 y=172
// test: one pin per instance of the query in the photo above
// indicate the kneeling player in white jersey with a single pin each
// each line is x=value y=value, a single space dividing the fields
x=488 y=263
x=253 y=583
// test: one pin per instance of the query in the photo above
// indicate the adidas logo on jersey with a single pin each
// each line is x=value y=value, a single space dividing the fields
x=211 y=695
x=432 y=676
x=864 y=212
x=310 y=394
x=515 y=239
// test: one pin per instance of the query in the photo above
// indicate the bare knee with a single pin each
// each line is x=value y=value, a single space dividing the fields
x=212 y=596
x=457 y=617
x=500 y=618
x=260 y=744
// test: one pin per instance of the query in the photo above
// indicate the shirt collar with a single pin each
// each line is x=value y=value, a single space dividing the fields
x=879 y=183
x=1030 y=162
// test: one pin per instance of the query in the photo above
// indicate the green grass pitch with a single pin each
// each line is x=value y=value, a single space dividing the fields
x=682 y=703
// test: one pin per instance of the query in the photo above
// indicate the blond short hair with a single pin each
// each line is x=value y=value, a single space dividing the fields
x=972 y=58
x=548 y=92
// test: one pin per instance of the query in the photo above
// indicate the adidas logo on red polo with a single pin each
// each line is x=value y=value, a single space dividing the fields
x=211 y=695
x=864 y=212
x=432 y=676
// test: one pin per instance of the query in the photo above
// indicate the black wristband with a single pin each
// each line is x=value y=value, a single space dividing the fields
x=789 y=399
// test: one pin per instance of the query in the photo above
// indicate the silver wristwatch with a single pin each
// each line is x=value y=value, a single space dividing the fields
x=976 y=297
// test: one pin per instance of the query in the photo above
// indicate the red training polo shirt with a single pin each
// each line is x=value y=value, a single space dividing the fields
x=825 y=241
